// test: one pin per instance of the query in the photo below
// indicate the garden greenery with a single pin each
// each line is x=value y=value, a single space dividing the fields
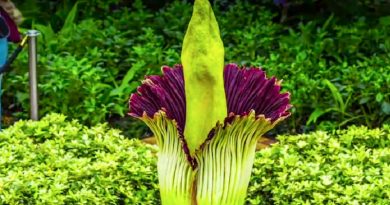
x=56 y=161
x=353 y=56
x=347 y=167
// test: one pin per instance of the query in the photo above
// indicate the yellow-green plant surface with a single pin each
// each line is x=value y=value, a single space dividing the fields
x=203 y=62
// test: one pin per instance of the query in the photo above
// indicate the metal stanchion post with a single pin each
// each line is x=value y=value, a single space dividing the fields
x=32 y=61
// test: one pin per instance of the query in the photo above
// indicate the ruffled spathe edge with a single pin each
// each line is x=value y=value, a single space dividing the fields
x=248 y=92
x=246 y=89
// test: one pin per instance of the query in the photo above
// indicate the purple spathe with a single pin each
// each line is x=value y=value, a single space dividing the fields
x=246 y=89
x=249 y=89
x=164 y=92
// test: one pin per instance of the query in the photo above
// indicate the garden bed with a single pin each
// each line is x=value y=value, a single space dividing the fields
x=55 y=161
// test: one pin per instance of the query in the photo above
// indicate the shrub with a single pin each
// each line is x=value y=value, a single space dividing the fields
x=349 y=167
x=58 y=162
x=89 y=67
x=54 y=161
x=71 y=86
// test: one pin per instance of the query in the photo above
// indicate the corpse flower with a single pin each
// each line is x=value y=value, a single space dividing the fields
x=207 y=118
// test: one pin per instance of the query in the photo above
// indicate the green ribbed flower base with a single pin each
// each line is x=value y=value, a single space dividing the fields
x=224 y=162
x=174 y=171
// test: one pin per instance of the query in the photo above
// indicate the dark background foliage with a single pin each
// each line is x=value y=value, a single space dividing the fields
x=333 y=56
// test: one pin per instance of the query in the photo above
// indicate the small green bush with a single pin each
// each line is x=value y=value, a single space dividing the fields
x=58 y=162
x=349 y=167
x=73 y=87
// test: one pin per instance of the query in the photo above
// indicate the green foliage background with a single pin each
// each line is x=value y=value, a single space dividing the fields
x=93 y=54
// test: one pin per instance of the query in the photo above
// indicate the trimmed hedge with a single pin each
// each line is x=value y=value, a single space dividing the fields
x=58 y=162
x=349 y=167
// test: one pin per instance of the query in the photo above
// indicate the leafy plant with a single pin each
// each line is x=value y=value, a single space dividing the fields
x=352 y=55
x=54 y=161
x=340 y=106
x=347 y=167
x=73 y=87
x=63 y=162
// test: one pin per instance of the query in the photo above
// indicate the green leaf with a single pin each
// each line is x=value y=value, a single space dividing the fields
x=47 y=32
x=327 y=22
x=301 y=56
x=364 y=100
x=70 y=19
x=386 y=108
x=336 y=95
x=326 y=180
x=379 y=97
x=384 y=21
x=22 y=96
x=318 y=112
x=127 y=78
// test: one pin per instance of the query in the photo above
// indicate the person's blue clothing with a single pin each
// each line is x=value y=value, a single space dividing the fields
x=8 y=33
x=3 y=51
x=3 y=59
